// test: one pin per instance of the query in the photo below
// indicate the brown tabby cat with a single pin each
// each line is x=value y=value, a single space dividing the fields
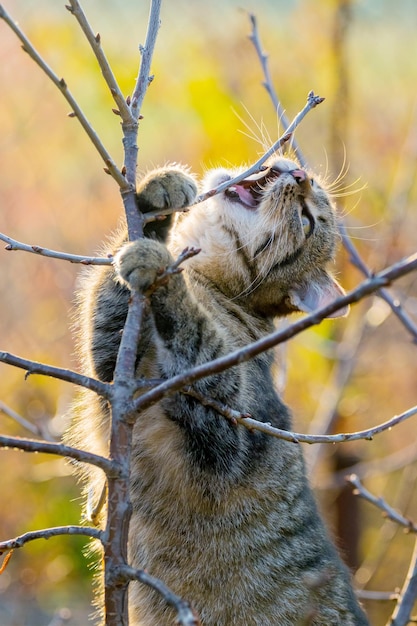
x=223 y=515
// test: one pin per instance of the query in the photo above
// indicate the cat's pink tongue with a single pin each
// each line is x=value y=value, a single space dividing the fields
x=245 y=195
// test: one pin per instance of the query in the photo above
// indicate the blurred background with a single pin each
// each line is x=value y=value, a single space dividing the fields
x=207 y=107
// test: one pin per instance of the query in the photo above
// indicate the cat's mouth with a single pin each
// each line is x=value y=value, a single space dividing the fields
x=249 y=191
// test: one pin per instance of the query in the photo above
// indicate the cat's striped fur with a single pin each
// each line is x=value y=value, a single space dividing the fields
x=224 y=516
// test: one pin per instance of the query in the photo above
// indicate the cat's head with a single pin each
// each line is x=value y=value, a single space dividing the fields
x=267 y=240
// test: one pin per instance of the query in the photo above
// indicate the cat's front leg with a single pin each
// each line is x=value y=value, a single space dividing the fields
x=139 y=263
x=186 y=335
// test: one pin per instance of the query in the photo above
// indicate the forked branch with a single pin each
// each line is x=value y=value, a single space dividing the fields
x=312 y=102
x=380 y=503
x=63 y=88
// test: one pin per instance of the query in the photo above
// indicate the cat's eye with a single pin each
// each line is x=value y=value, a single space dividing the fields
x=307 y=223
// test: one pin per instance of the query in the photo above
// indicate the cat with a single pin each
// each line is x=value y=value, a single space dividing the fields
x=221 y=514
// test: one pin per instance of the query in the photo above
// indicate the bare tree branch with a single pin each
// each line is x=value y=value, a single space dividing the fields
x=358 y=262
x=33 y=367
x=47 y=533
x=13 y=244
x=111 y=468
x=134 y=218
x=185 y=614
x=251 y=424
x=364 y=594
x=35 y=429
x=367 y=287
x=145 y=78
x=388 y=511
x=312 y=102
x=268 y=84
x=171 y=270
x=94 y=40
x=408 y=594
x=76 y=110
x=119 y=507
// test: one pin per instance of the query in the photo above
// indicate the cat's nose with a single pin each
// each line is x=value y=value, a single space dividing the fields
x=299 y=175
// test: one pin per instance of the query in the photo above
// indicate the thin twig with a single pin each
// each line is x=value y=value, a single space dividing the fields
x=246 y=420
x=385 y=596
x=185 y=614
x=145 y=78
x=13 y=244
x=171 y=270
x=160 y=214
x=367 y=287
x=33 y=367
x=47 y=533
x=312 y=102
x=358 y=262
x=94 y=40
x=408 y=594
x=268 y=84
x=111 y=167
x=48 y=447
x=388 y=511
x=35 y=429
x=135 y=220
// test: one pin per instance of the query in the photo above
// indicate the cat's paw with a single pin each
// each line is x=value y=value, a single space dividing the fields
x=167 y=188
x=139 y=263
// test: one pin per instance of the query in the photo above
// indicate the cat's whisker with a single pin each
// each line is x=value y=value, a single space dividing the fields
x=263 y=138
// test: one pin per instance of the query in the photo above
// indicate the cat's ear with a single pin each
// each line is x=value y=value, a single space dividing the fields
x=316 y=293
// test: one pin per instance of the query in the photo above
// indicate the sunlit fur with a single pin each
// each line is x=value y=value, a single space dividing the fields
x=223 y=515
